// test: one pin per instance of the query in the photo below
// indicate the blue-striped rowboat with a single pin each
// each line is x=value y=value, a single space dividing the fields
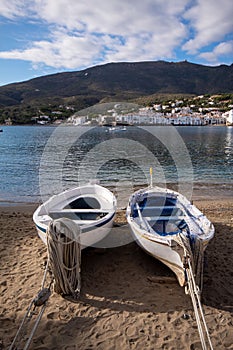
x=91 y=207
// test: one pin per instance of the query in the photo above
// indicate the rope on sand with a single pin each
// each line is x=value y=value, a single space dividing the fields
x=199 y=314
x=64 y=261
x=39 y=302
x=193 y=261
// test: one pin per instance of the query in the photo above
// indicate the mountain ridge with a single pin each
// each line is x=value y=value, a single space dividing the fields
x=127 y=80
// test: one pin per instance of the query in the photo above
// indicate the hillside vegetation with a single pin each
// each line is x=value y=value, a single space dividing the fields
x=133 y=82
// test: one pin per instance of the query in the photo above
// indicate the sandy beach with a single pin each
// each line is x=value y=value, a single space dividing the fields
x=128 y=299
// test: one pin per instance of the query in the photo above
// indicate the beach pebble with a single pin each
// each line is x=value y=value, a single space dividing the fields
x=185 y=316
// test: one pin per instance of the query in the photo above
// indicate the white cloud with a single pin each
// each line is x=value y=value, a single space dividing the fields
x=12 y=8
x=102 y=30
x=222 y=49
x=98 y=31
x=117 y=17
x=211 y=21
x=64 y=51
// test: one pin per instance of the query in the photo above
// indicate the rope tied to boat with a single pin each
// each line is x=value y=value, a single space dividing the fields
x=64 y=252
x=198 y=310
x=36 y=308
x=63 y=265
x=195 y=260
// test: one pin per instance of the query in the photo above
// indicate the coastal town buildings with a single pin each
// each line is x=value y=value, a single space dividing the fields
x=229 y=117
x=149 y=116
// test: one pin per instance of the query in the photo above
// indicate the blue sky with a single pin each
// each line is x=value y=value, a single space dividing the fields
x=43 y=37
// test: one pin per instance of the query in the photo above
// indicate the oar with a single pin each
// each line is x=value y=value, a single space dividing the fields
x=143 y=221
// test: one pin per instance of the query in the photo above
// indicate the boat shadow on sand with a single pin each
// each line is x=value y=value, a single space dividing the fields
x=218 y=272
x=126 y=278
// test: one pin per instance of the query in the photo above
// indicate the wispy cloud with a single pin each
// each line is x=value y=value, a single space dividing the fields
x=220 y=50
x=67 y=51
x=210 y=21
x=12 y=9
x=98 y=31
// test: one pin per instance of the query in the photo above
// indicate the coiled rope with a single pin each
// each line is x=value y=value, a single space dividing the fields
x=64 y=261
x=64 y=253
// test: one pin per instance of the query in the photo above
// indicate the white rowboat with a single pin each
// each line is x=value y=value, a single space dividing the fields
x=91 y=207
x=169 y=227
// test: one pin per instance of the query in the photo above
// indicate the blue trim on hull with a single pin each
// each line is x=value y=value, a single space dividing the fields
x=41 y=228
x=87 y=229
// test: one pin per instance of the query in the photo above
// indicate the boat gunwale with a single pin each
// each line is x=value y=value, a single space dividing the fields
x=85 y=225
x=190 y=211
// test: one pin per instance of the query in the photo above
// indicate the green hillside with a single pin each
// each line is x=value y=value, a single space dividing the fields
x=112 y=82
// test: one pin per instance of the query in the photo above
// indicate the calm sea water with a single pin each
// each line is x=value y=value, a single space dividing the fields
x=36 y=162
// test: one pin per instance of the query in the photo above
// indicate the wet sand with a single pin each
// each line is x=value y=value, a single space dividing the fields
x=128 y=299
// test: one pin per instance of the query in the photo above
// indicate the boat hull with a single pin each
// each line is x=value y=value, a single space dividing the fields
x=162 y=251
x=92 y=230
x=191 y=229
x=90 y=234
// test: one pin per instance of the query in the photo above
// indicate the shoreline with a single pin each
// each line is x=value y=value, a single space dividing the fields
x=128 y=300
x=199 y=191
x=31 y=205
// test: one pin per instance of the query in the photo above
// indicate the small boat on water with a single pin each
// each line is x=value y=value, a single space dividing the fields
x=116 y=129
x=169 y=227
x=91 y=207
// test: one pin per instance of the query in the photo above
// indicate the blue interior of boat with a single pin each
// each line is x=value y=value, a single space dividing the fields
x=162 y=214
x=167 y=227
x=157 y=201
